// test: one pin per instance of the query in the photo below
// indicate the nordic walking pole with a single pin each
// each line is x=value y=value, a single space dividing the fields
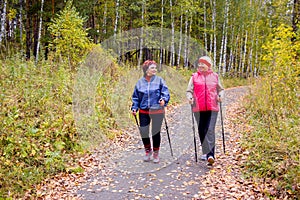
x=137 y=123
x=167 y=128
x=195 y=144
x=223 y=137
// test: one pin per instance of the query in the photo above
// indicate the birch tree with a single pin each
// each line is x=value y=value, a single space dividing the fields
x=39 y=34
x=3 y=20
x=161 y=35
x=142 y=33
x=214 y=36
x=172 y=57
x=222 y=58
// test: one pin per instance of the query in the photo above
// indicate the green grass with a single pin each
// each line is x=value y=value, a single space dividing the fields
x=274 y=142
x=37 y=128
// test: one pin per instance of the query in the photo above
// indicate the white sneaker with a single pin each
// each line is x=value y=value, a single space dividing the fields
x=147 y=156
x=155 y=157
x=203 y=157
x=210 y=160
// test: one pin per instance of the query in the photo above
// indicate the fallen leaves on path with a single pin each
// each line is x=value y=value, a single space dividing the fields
x=225 y=179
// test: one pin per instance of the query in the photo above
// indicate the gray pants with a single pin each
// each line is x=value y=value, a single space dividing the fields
x=206 y=121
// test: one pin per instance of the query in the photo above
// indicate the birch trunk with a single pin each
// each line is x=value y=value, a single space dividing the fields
x=117 y=17
x=205 y=26
x=172 y=57
x=214 y=32
x=40 y=31
x=231 y=54
x=161 y=35
x=180 y=38
x=104 y=19
x=3 y=20
x=142 y=33
x=185 y=41
x=28 y=29
x=21 y=26
x=244 y=53
x=226 y=38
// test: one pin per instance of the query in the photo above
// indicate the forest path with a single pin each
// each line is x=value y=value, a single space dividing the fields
x=126 y=176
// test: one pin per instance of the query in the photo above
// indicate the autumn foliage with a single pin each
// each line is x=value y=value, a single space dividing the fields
x=274 y=114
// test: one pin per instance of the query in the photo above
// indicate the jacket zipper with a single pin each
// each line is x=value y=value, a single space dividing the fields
x=149 y=94
x=205 y=92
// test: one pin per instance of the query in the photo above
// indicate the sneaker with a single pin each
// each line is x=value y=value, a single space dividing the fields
x=155 y=157
x=203 y=157
x=210 y=160
x=147 y=156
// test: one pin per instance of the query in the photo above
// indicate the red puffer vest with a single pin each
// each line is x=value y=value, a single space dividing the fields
x=205 y=91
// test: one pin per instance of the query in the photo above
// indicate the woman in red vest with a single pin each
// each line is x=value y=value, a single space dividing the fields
x=203 y=92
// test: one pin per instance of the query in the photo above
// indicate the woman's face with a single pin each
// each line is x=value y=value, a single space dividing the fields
x=202 y=67
x=151 y=70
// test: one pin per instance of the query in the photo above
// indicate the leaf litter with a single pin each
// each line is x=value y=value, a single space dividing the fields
x=222 y=181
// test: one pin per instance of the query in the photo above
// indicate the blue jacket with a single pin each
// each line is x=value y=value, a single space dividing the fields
x=146 y=95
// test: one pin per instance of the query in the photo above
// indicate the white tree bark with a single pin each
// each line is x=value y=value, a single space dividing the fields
x=21 y=25
x=161 y=35
x=104 y=18
x=141 y=40
x=117 y=17
x=205 y=26
x=3 y=20
x=231 y=53
x=172 y=38
x=214 y=14
x=116 y=25
x=226 y=37
x=180 y=38
x=39 y=34
x=185 y=40
x=245 y=53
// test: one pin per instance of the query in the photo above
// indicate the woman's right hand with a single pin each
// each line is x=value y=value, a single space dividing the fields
x=134 y=112
x=191 y=100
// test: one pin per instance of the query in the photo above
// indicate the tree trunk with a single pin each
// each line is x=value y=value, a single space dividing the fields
x=3 y=20
x=172 y=54
x=180 y=39
x=104 y=19
x=28 y=29
x=39 y=34
x=214 y=13
x=141 y=40
x=205 y=26
x=161 y=35
x=245 y=53
x=21 y=26
x=185 y=40
x=226 y=38
x=296 y=15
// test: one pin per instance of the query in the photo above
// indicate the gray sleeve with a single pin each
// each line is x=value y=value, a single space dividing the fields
x=190 y=89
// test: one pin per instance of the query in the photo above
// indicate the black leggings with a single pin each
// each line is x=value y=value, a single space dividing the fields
x=156 y=120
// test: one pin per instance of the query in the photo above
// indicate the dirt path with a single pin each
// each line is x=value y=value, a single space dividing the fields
x=178 y=177
x=115 y=171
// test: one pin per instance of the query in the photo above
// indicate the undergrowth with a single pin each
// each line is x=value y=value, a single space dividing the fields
x=273 y=111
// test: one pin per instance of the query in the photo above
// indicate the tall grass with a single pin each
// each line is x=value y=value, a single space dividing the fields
x=274 y=113
x=37 y=127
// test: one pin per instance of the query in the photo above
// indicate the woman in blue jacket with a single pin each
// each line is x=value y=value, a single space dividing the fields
x=149 y=98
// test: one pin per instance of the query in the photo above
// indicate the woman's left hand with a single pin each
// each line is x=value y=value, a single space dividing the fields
x=219 y=99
